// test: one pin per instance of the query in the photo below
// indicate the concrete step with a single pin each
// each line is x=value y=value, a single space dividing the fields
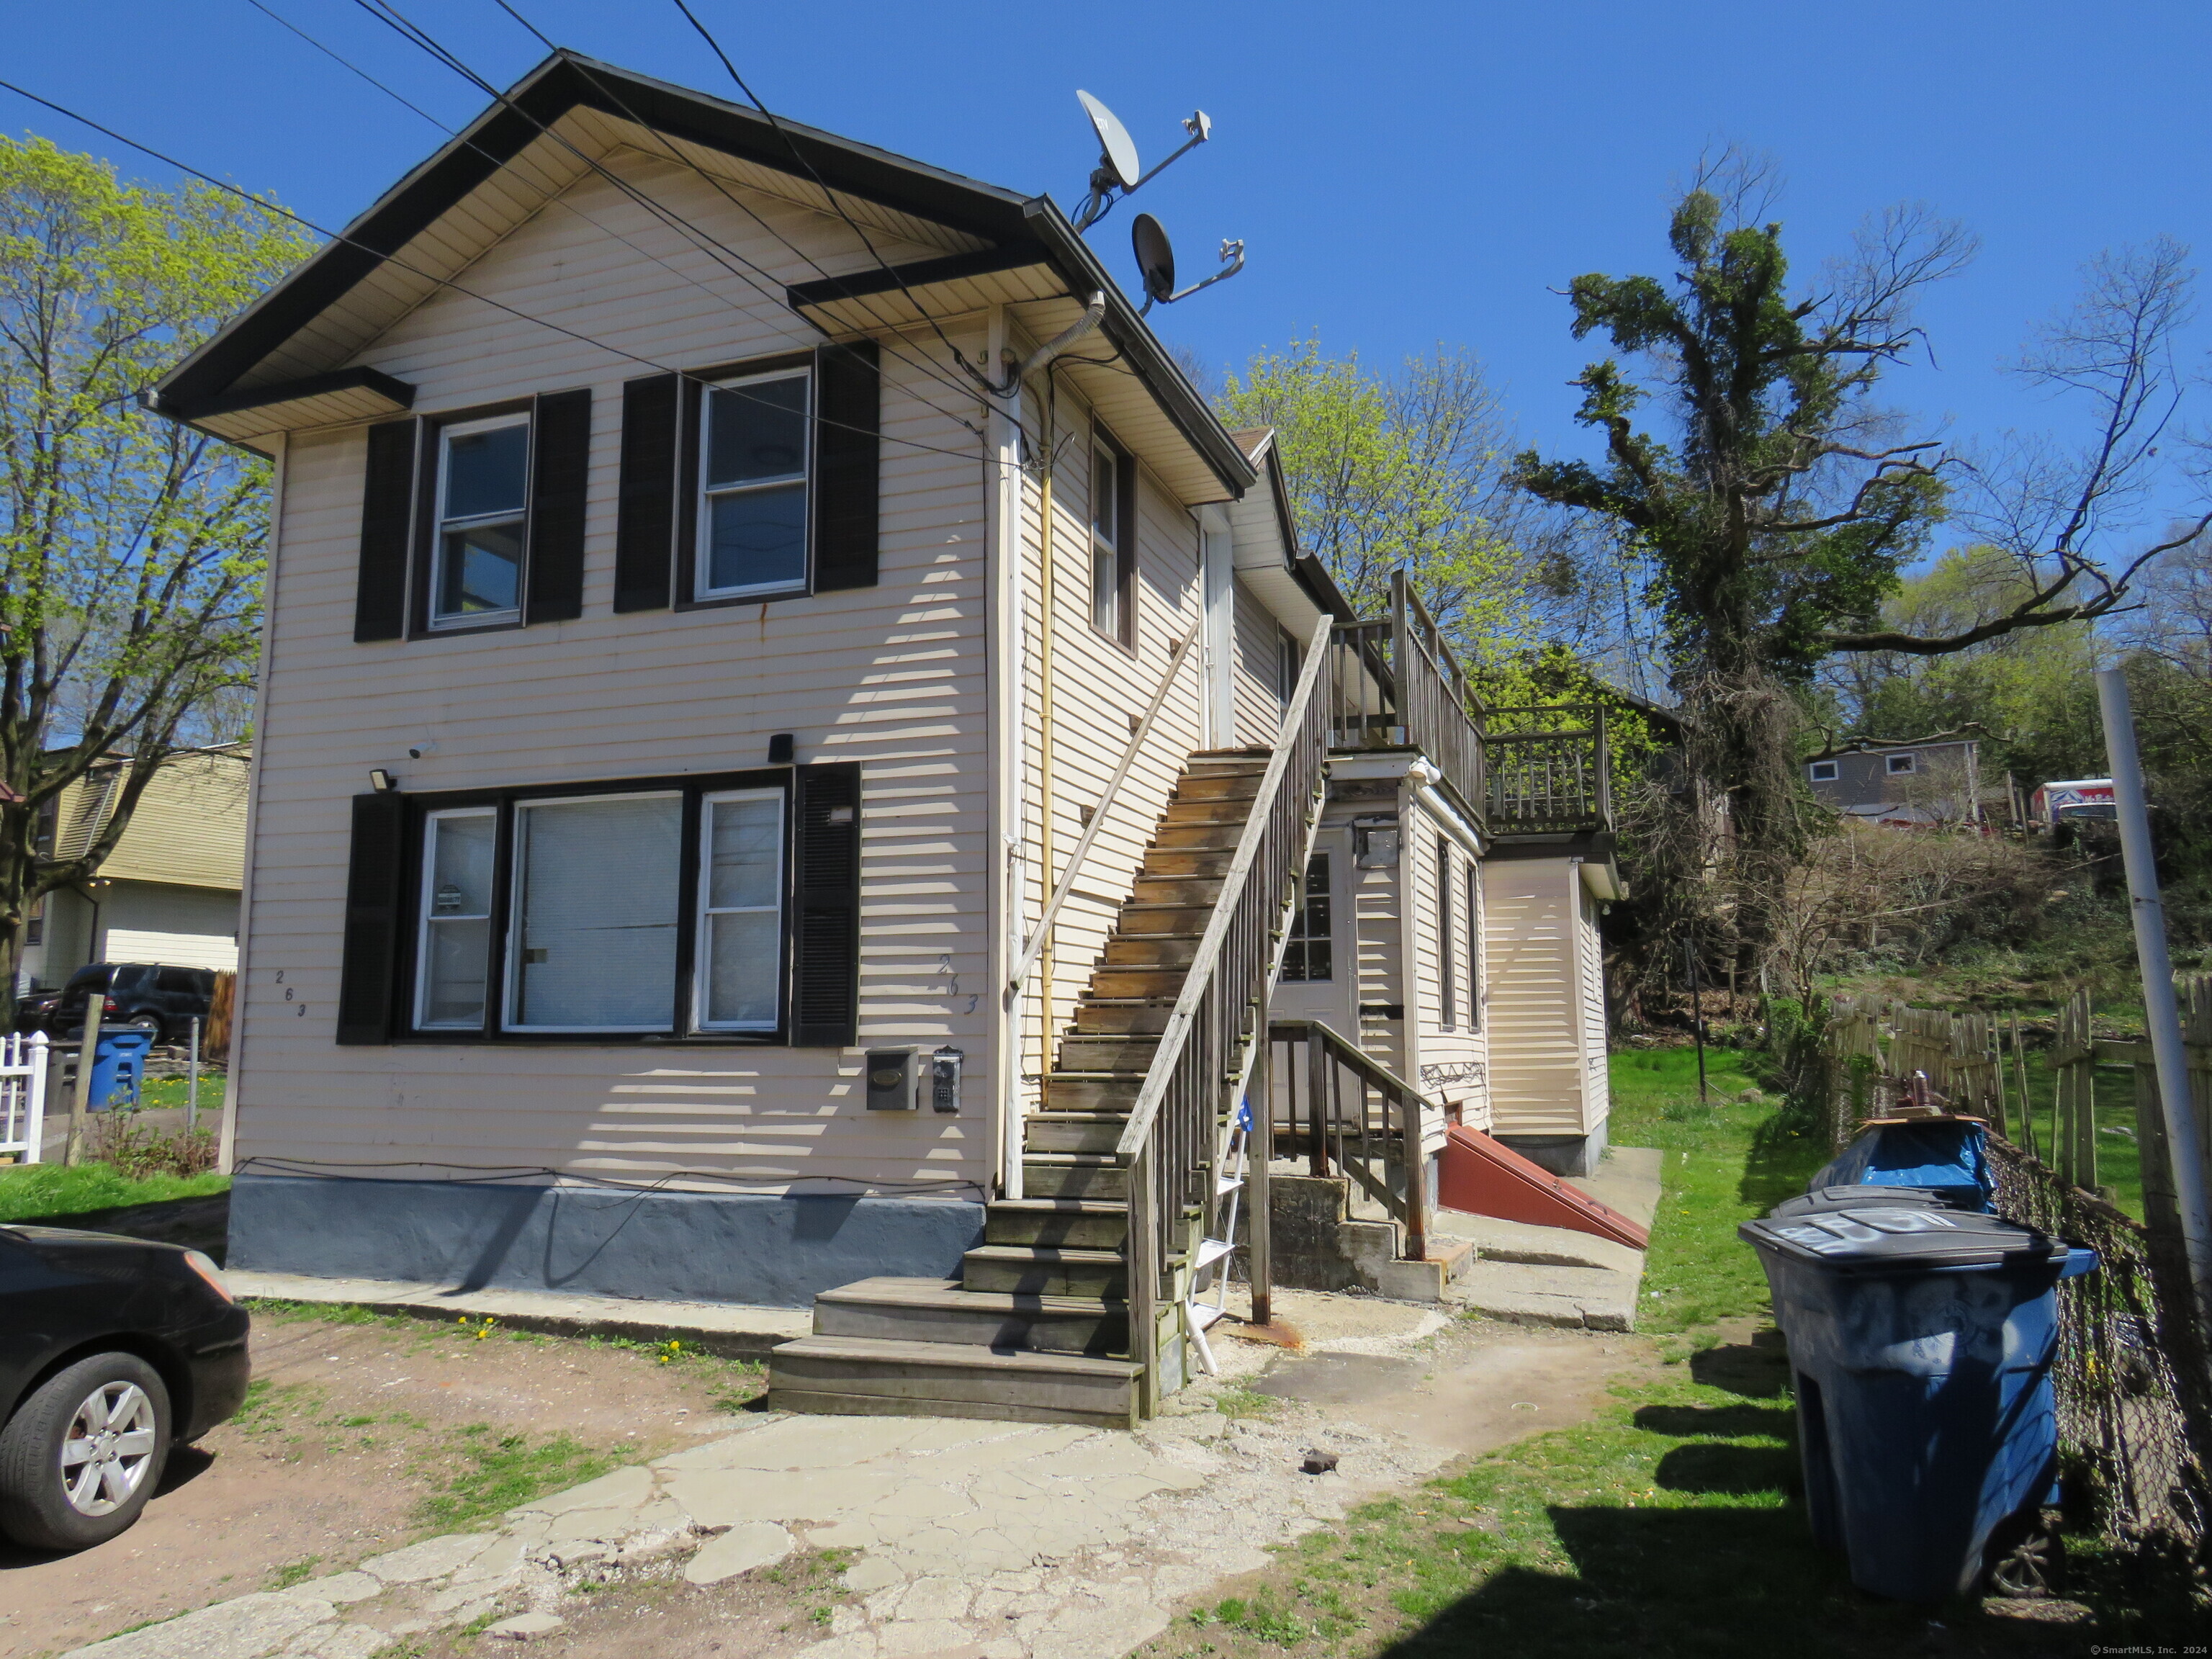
x=877 y=1377
x=1057 y=1223
x=1072 y=1132
x=1124 y=1055
x=1092 y=1092
x=1152 y=951
x=1029 y=1271
x=1527 y=1293
x=1098 y=1015
x=940 y=1310
x=1074 y=1175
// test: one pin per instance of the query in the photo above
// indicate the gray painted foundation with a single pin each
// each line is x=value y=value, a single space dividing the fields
x=696 y=1247
x=1562 y=1155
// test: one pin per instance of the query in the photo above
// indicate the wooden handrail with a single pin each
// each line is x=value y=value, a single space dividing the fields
x=1206 y=958
x=1035 y=948
x=1326 y=1046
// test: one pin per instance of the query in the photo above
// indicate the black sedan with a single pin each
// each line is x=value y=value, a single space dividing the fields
x=112 y=1350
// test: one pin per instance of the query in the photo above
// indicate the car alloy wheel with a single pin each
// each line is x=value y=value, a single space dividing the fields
x=109 y=1449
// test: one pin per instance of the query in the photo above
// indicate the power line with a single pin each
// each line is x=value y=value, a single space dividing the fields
x=266 y=205
x=829 y=195
x=720 y=253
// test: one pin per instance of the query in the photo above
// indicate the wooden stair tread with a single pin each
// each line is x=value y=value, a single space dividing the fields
x=1062 y=1205
x=1047 y=1254
x=950 y=1295
x=958 y=1356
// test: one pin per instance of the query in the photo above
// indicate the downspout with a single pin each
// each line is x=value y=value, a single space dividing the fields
x=1424 y=777
x=1008 y=794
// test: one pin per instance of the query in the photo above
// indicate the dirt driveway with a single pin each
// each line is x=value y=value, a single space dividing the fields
x=359 y=1436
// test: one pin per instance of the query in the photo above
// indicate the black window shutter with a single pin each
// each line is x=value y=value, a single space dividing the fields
x=645 y=523
x=561 y=441
x=848 y=415
x=825 y=931
x=369 y=974
x=387 y=522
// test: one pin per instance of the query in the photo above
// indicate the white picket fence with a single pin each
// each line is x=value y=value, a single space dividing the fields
x=22 y=1096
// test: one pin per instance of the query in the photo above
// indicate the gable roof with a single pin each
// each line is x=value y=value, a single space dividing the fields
x=288 y=358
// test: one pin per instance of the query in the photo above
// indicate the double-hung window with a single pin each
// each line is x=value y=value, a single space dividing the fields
x=656 y=909
x=753 y=462
x=484 y=500
x=1106 y=543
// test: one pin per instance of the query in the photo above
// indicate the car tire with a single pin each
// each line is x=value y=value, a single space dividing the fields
x=112 y=1406
x=149 y=1023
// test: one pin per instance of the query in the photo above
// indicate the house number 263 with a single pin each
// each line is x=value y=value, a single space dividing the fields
x=292 y=995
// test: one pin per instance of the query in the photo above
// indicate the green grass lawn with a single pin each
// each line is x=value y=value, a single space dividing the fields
x=158 y=1092
x=1671 y=1525
x=44 y=1189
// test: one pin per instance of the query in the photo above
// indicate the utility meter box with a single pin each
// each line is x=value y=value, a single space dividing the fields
x=894 y=1079
x=944 y=1079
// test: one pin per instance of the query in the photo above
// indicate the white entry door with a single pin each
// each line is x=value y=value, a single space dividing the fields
x=1320 y=965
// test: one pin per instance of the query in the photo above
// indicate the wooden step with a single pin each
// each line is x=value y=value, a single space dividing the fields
x=1230 y=783
x=1221 y=837
x=1197 y=890
x=1098 y=1015
x=940 y=1310
x=1183 y=814
x=1188 y=863
x=1056 y=1222
x=1091 y=1091
x=1176 y=950
x=878 y=1376
x=1031 y=1271
x=1075 y=1175
x=1127 y=1055
x=1138 y=916
x=1124 y=983
x=1072 y=1132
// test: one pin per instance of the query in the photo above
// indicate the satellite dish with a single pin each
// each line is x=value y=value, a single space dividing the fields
x=1155 y=258
x=1116 y=148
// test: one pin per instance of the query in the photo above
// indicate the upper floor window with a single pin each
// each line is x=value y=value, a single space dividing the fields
x=1823 y=771
x=483 y=502
x=753 y=486
x=1105 y=542
x=1900 y=764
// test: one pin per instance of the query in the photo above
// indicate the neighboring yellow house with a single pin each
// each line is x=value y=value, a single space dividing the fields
x=169 y=892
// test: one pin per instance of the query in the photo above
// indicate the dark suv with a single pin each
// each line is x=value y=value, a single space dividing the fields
x=141 y=996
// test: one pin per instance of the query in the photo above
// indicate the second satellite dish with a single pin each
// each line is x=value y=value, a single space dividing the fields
x=1155 y=258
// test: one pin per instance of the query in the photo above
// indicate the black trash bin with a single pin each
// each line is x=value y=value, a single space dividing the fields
x=1921 y=1340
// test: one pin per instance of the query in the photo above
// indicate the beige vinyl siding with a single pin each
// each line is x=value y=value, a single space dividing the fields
x=1376 y=899
x=1258 y=681
x=892 y=676
x=1447 y=1040
x=189 y=826
x=1590 y=969
x=1538 y=1065
x=178 y=925
x=1096 y=686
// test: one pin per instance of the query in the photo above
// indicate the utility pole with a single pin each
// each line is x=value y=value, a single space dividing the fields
x=2184 y=1144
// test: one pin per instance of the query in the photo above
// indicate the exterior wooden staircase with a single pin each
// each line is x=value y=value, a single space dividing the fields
x=1036 y=1327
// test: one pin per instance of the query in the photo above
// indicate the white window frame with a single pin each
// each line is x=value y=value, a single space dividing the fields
x=703 y=534
x=475 y=521
x=518 y=888
x=703 y=879
x=1911 y=763
x=424 y=919
x=1814 y=771
x=1106 y=550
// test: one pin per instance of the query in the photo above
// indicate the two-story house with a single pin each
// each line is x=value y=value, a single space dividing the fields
x=791 y=740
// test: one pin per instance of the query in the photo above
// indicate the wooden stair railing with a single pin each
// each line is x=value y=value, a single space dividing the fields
x=1369 y=1132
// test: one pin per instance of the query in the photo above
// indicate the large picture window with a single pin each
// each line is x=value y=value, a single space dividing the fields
x=483 y=501
x=656 y=909
x=753 y=462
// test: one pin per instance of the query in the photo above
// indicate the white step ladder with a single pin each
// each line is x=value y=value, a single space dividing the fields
x=1229 y=1184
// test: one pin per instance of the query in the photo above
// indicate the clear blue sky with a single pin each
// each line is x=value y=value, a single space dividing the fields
x=1402 y=173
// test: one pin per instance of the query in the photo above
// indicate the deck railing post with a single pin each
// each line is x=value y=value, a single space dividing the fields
x=1258 y=1149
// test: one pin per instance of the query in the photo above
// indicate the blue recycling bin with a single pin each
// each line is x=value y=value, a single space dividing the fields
x=1921 y=1338
x=119 y=1067
x=1948 y=1156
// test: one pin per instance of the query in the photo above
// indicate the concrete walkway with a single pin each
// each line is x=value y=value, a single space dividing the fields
x=997 y=1539
x=1554 y=1275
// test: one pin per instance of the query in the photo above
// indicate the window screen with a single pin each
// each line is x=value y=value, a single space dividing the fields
x=592 y=945
x=1447 y=1001
x=1106 y=541
x=752 y=517
x=484 y=489
x=1307 y=956
x=741 y=911
x=456 y=943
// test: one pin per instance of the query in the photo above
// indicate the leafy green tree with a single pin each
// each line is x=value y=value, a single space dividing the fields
x=1406 y=471
x=1776 y=506
x=130 y=548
